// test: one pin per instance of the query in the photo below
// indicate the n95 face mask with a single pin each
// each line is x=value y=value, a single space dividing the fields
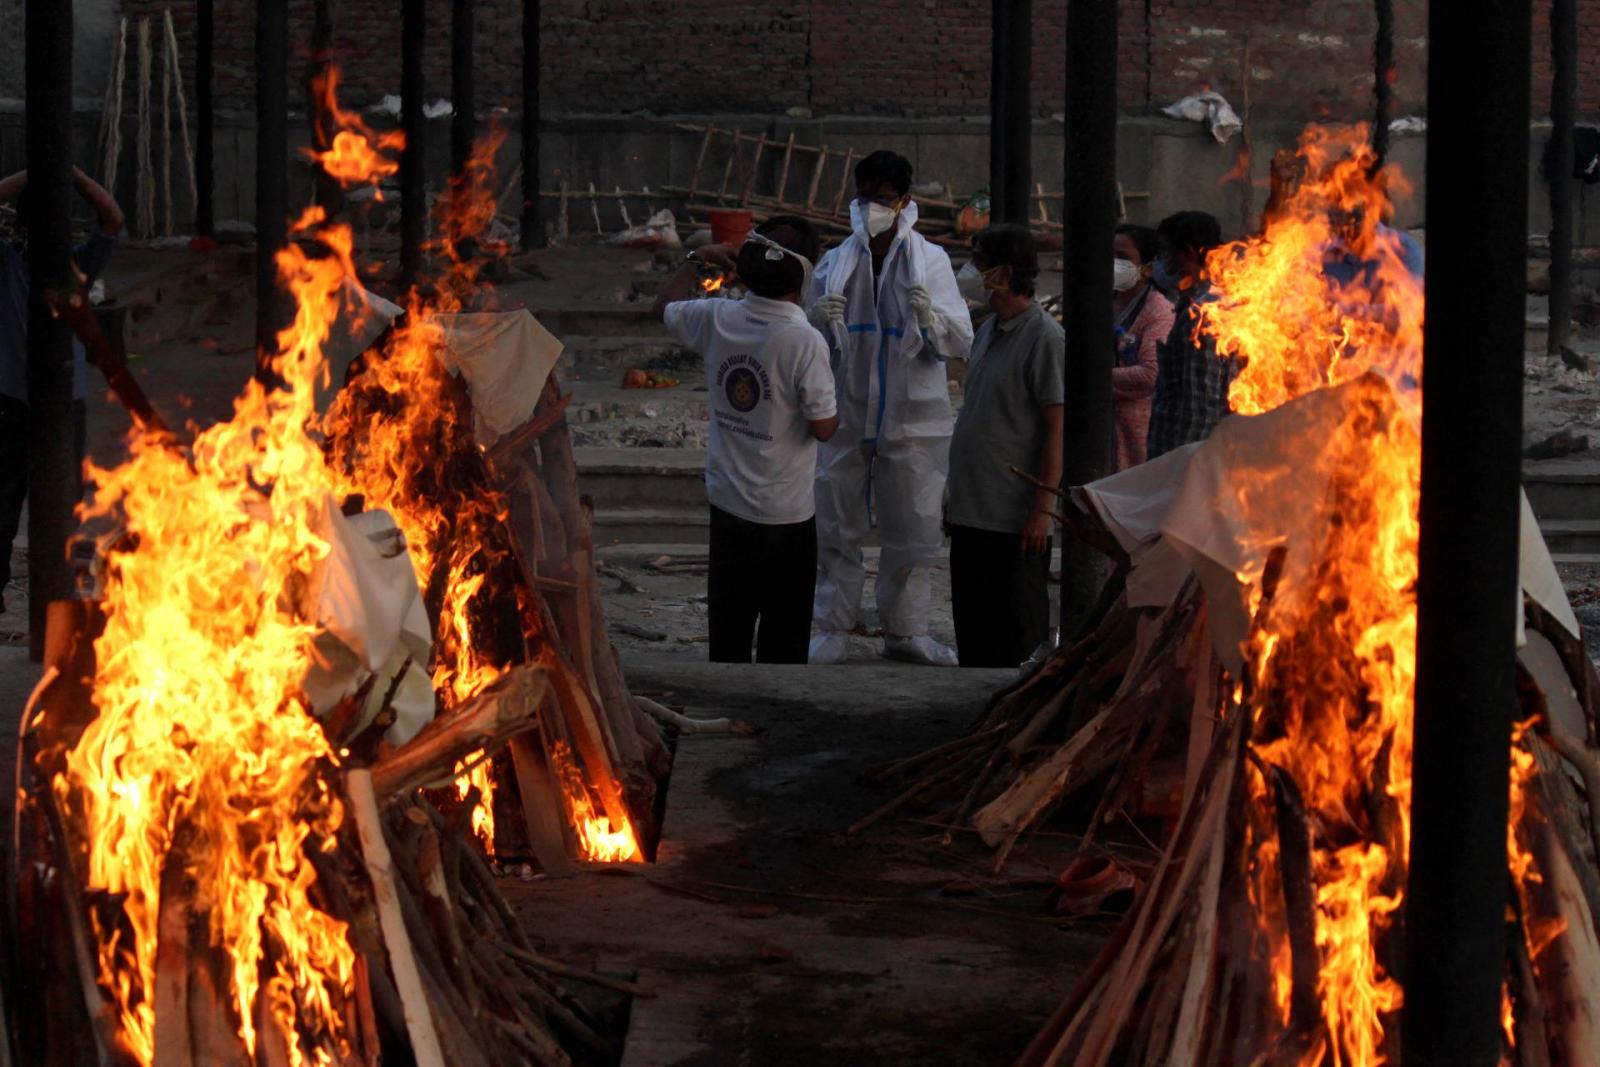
x=880 y=218
x=1124 y=275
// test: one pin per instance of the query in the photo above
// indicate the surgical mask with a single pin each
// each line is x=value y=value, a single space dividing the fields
x=1124 y=275
x=775 y=252
x=970 y=283
x=1163 y=277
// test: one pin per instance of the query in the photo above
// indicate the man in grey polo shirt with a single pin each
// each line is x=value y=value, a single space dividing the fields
x=1011 y=417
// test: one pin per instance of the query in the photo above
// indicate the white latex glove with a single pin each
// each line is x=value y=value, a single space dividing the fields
x=828 y=309
x=921 y=305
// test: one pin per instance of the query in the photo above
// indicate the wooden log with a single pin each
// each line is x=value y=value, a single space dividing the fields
x=1299 y=898
x=102 y=1021
x=577 y=974
x=1527 y=1005
x=213 y=1028
x=1199 y=983
x=507 y=707
x=1569 y=965
x=584 y=722
x=361 y=791
x=451 y=1016
x=442 y=915
x=1165 y=894
x=170 y=996
x=1559 y=803
x=543 y=811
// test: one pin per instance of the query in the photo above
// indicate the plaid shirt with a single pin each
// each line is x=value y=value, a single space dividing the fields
x=1191 y=380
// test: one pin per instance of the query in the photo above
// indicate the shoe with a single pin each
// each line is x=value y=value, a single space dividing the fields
x=919 y=649
x=828 y=648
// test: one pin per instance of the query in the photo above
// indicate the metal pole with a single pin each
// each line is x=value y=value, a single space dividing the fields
x=413 y=207
x=53 y=483
x=1000 y=56
x=1091 y=218
x=1018 y=118
x=1467 y=585
x=272 y=175
x=205 y=218
x=1382 y=78
x=1563 y=107
x=325 y=189
x=463 y=122
x=532 y=220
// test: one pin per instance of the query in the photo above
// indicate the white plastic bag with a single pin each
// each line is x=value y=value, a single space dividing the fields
x=1211 y=109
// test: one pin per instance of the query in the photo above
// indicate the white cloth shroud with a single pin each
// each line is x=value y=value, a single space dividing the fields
x=1182 y=513
x=505 y=357
x=373 y=622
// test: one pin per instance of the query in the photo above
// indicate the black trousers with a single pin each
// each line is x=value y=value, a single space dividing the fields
x=14 y=470
x=765 y=573
x=1001 y=597
x=13 y=478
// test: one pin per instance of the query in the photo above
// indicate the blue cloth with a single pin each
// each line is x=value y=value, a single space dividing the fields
x=91 y=257
x=1341 y=266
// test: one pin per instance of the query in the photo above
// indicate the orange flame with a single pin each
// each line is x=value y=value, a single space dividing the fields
x=1338 y=651
x=203 y=735
x=355 y=153
x=712 y=284
x=474 y=774
x=596 y=838
x=400 y=440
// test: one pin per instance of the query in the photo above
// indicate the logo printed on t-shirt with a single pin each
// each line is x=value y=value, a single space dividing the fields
x=744 y=381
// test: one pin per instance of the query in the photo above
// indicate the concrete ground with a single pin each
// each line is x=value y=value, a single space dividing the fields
x=768 y=936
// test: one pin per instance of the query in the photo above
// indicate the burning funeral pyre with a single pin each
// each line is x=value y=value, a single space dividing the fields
x=1248 y=677
x=239 y=838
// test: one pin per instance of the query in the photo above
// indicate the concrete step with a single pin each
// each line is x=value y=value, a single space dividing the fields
x=680 y=525
x=645 y=494
x=1564 y=488
x=1571 y=537
x=603 y=400
x=601 y=320
x=643 y=477
x=587 y=356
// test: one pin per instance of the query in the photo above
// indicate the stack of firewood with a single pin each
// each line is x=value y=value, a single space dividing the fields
x=1108 y=708
x=539 y=605
x=1225 y=954
x=1191 y=976
x=444 y=972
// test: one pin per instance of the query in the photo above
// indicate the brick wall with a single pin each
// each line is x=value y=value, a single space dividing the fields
x=1302 y=59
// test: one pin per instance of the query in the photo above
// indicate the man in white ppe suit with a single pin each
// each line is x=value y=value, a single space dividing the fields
x=887 y=302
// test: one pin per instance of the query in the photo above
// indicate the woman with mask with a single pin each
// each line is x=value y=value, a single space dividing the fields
x=999 y=524
x=1142 y=317
x=886 y=301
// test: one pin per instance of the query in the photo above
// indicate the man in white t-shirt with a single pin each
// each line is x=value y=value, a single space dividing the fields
x=771 y=398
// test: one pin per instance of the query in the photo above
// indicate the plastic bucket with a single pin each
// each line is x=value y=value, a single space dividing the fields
x=729 y=226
